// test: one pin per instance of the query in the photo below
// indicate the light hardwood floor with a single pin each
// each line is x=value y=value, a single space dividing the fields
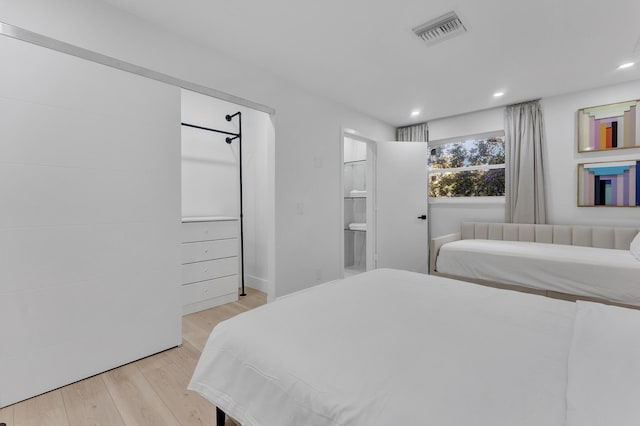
x=151 y=391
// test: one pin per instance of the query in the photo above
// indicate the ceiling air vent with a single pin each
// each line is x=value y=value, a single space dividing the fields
x=441 y=28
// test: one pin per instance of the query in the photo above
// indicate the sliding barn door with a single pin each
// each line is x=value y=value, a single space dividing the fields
x=401 y=202
x=89 y=218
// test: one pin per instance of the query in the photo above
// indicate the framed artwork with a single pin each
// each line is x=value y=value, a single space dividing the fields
x=609 y=183
x=607 y=127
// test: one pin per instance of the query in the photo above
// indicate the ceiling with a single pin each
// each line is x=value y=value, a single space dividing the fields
x=363 y=54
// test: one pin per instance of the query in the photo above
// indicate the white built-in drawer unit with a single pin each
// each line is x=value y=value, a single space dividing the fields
x=209 y=262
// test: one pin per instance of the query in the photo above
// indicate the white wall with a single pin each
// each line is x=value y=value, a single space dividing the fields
x=562 y=158
x=446 y=215
x=209 y=164
x=466 y=124
x=308 y=129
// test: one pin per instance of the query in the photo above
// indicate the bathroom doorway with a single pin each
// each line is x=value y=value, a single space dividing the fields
x=357 y=194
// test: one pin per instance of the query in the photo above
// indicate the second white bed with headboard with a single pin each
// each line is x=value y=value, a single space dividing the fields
x=556 y=260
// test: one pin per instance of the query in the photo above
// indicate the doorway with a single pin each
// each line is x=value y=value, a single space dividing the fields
x=384 y=205
x=357 y=213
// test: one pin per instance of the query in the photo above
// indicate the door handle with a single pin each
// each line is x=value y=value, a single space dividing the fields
x=423 y=217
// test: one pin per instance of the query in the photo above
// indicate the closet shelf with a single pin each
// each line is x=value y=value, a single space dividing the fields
x=354 y=161
x=355 y=230
x=348 y=197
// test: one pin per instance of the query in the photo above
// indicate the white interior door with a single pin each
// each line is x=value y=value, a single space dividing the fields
x=401 y=201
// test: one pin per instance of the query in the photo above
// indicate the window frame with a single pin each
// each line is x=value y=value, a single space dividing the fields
x=461 y=139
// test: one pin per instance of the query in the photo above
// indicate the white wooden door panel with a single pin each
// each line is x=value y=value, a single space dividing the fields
x=90 y=217
x=401 y=197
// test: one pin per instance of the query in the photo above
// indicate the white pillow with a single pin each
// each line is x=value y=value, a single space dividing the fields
x=635 y=247
x=603 y=386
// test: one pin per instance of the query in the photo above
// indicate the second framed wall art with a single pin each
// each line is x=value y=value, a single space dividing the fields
x=609 y=183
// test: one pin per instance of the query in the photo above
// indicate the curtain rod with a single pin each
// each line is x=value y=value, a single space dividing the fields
x=524 y=102
x=467 y=113
x=412 y=125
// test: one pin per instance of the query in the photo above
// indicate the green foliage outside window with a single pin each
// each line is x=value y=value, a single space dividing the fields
x=464 y=156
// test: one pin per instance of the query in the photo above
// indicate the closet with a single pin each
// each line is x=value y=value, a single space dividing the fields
x=210 y=235
x=216 y=221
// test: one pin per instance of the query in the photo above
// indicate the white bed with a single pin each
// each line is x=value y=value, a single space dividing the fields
x=583 y=271
x=393 y=347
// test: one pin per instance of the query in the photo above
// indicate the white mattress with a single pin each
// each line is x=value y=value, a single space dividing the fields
x=604 y=367
x=586 y=271
x=392 y=347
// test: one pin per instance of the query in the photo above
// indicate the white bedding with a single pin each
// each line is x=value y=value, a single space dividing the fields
x=392 y=347
x=604 y=367
x=587 y=271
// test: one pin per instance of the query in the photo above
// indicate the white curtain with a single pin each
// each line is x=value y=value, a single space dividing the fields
x=524 y=141
x=415 y=133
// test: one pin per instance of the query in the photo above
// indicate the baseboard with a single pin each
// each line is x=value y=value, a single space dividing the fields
x=256 y=283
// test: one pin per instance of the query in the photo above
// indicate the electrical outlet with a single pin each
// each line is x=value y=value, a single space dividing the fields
x=318 y=275
x=300 y=209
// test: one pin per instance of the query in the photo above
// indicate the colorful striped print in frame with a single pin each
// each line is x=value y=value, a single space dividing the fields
x=606 y=127
x=613 y=183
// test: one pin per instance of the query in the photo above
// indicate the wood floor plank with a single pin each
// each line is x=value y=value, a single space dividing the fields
x=186 y=358
x=252 y=300
x=198 y=325
x=6 y=415
x=209 y=318
x=135 y=398
x=170 y=380
x=88 y=402
x=194 y=334
x=45 y=409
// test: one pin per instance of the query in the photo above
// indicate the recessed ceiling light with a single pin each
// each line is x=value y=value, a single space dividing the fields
x=498 y=94
x=627 y=65
x=415 y=113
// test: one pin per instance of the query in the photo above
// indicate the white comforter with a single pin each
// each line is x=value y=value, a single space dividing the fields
x=393 y=348
x=586 y=271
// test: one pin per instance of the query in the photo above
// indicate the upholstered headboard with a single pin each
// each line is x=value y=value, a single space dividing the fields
x=588 y=236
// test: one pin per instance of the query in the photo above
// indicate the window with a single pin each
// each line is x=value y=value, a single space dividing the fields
x=468 y=167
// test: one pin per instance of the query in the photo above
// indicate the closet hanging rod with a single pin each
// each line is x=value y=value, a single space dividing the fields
x=238 y=136
x=209 y=129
